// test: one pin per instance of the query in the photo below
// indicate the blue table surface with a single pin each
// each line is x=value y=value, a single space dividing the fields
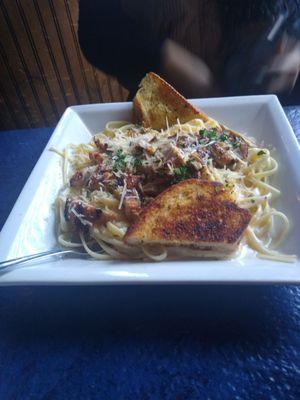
x=141 y=342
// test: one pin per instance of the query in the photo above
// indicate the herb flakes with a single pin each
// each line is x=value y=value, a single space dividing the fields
x=137 y=162
x=119 y=162
x=261 y=152
x=210 y=134
x=182 y=173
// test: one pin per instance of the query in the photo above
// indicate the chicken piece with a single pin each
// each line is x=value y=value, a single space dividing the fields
x=77 y=180
x=196 y=160
x=101 y=146
x=156 y=185
x=132 y=207
x=132 y=181
x=96 y=157
x=95 y=181
x=85 y=176
x=82 y=215
x=79 y=214
x=150 y=150
x=243 y=143
x=206 y=175
x=243 y=149
x=174 y=154
x=221 y=156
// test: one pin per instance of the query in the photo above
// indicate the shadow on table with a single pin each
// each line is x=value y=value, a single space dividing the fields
x=206 y=314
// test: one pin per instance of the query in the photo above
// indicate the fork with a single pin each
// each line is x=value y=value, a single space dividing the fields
x=44 y=254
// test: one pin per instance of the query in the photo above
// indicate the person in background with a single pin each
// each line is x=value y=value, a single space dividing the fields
x=204 y=48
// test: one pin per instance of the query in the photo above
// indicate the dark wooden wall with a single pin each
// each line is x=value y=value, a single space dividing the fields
x=42 y=69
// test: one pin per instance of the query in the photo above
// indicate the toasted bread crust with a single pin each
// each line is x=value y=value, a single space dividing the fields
x=191 y=213
x=156 y=100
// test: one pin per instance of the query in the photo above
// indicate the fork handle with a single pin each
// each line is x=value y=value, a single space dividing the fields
x=23 y=259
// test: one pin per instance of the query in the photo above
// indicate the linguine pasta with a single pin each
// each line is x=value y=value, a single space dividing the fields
x=126 y=165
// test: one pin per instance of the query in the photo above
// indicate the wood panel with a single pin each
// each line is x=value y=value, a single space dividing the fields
x=42 y=68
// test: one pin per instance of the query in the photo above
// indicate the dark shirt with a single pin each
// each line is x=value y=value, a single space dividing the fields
x=124 y=38
x=116 y=43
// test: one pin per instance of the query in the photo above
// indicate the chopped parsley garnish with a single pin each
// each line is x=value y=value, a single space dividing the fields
x=261 y=152
x=137 y=162
x=235 y=144
x=182 y=173
x=223 y=137
x=119 y=164
x=210 y=134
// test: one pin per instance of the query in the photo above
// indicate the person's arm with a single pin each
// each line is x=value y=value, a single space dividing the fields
x=187 y=72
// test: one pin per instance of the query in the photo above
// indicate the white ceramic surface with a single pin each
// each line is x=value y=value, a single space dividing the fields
x=30 y=226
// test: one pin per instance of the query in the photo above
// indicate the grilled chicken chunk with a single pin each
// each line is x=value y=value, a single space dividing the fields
x=82 y=215
x=132 y=206
x=222 y=157
x=174 y=154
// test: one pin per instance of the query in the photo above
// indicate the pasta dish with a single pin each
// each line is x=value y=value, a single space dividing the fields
x=111 y=180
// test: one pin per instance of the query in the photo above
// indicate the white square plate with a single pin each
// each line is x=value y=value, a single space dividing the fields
x=30 y=226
